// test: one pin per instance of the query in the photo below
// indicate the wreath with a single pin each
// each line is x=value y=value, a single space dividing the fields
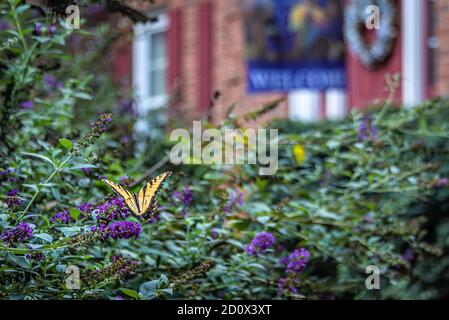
x=355 y=19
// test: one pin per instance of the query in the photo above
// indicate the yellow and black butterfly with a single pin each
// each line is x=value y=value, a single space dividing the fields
x=144 y=203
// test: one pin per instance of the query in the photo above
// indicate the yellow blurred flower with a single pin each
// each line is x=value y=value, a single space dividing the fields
x=300 y=154
x=301 y=13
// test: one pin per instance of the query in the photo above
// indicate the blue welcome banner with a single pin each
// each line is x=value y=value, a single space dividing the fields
x=294 y=44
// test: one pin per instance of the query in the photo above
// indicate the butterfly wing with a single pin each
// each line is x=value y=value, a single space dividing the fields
x=125 y=194
x=147 y=195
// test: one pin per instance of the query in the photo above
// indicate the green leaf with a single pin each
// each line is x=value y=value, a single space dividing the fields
x=79 y=166
x=148 y=289
x=69 y=231
x=263 y=219
x=235 y=243
x=131 y=293
x=83 y=96
x=22 y=8
x=74 y=213
x=66 y=143
x=41 y=157
x=168 y=291
x=31 y=186
x=19 y=260
x=44 y=236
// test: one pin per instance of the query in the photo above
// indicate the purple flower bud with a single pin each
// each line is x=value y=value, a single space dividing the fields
x=442 y=182
x=367 y=130
x=123 y=230
x=408 y=255
x=260 y=244
x=27 y=104
x=186 y=196
x=86 y=207
x=38 y=28
x=4 y=25
x=13 y=199
x=18 y=234
x=235 y=200
x=214 y=234
x=52 y=29
x=297 y=261
x=61 y=217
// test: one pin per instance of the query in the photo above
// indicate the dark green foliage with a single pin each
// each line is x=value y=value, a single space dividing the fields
x=352 y=202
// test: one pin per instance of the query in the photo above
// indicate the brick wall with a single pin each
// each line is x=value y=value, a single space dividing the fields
x=442 y=52
x=229 y=74
x=228 y=63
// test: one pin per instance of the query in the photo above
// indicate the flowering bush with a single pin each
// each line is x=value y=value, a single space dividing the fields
x=371 y=190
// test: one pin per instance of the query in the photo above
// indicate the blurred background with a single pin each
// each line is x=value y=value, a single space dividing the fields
x=371 y=187
x=321 y=56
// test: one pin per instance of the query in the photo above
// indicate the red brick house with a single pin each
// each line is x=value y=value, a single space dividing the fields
x=198 y=46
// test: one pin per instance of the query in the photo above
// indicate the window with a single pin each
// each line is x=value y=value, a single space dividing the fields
x=150 y=64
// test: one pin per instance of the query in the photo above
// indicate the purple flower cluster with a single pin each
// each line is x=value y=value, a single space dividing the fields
x=295 y=263
x=116 y=230
x=185 y=197
x=126 y=181
x=64 y=216
x=40 y=29
x=7 y=175
x=124 y=265
x=127 y=107
x=367 y=130
x=52 y=83
x=4 y=25
x=408 y=255
x=155 y=217
x=235 y=199
x=86 y=207
x=260 y=244
x=27 y=104
x=111 y=210
x=61 y=217
x=52 y=29
x=12 y=200
x=18 y=234
x=442 y=182
x=118 y=269
x=122 y=230
x=96 y=130
x=94 y=9
x=35 y=256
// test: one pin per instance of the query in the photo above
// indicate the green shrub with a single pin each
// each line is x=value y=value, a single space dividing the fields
x=369 y=190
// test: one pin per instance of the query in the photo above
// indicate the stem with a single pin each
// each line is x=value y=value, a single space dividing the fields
x=393 y=85
x=19 y=28
x=57 y=245
x=55 y=171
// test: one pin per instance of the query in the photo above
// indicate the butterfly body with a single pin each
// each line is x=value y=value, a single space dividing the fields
x=144 y=203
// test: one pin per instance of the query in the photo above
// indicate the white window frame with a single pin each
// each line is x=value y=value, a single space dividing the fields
x=413 y=85
x=141 y=66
